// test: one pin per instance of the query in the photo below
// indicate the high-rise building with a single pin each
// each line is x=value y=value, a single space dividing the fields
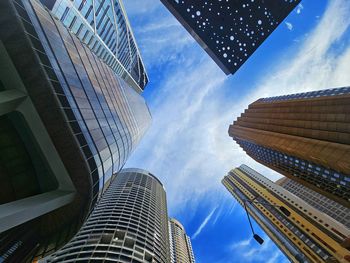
x=70 y=116
x=304 y=136
x=303 y=233
x=230 y=31
x=320 y=202
x=180 y=243
x=129 y=224
x=104 y=27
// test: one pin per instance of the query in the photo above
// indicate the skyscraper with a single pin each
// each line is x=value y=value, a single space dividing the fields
x=304 y=136
x=104 y=27
x=70 y=116
x=230 y=31
x=180 y=244
x=303 y=233
x=320 y=202
x=129 y=224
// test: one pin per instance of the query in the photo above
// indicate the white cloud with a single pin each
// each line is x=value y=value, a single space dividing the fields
x=204 y=223
x=275 y=257
x=251 y=251
x=300 y=7
x=241 y=244
x=218 y=214
x=289 y=25
x=139 y=7
x=188 y=147
x=159 y=35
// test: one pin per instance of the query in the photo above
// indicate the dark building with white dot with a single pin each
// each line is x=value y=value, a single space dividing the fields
x=230 y=31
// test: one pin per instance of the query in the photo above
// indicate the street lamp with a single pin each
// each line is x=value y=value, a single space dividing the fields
x=258 y=238
x=297 y=254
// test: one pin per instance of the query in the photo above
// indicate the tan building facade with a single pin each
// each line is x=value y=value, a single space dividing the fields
x=305 y=137
x=180 y=244
x=320 y=202
x=305 y=235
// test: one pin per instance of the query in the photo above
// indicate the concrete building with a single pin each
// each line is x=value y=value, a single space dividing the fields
x=303 y=233
x=129 y=224
x=320 y=202
x=180 y=243
x=304 y=136
x=230 y=31
x=70 y=116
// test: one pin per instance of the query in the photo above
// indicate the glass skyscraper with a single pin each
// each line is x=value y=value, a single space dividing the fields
x=129 y=224
x=103 y=26
x=304 y=136
x=71 y=114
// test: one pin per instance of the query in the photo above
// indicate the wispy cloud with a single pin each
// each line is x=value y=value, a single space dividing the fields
x=232 y=208
x=289 y=25
x=193 y=102
x=204 y=223
x=275 y=257
x=159 y=35
x=240 y=244
x=250 y=251
x=217 y=215
x=140 y=7
x=191 y=110
x=300 y=7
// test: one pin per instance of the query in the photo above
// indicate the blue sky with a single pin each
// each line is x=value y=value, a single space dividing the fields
x=193 y=102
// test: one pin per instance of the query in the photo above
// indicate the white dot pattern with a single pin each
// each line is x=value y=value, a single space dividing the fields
x=240 y=25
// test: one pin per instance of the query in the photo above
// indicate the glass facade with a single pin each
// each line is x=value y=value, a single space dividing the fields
x=103 y=26
x=129 y=224
x=93 y=114
x=107 y=117
x=312 y=173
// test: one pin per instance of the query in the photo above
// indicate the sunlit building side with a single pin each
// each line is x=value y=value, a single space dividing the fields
x=304 y=136
x=303 y=233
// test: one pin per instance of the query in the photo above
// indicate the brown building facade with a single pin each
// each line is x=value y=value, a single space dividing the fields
x=305 y=137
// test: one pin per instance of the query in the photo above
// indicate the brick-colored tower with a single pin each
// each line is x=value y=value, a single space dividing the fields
x=180 y=244
x=304 y=136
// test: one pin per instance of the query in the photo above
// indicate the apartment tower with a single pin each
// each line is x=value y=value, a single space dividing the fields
x=303 y=233
x=180 y=243
x=230 y=31
x=129 y=224
x=304 y=136
x=320 y=202
x=71 y=114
